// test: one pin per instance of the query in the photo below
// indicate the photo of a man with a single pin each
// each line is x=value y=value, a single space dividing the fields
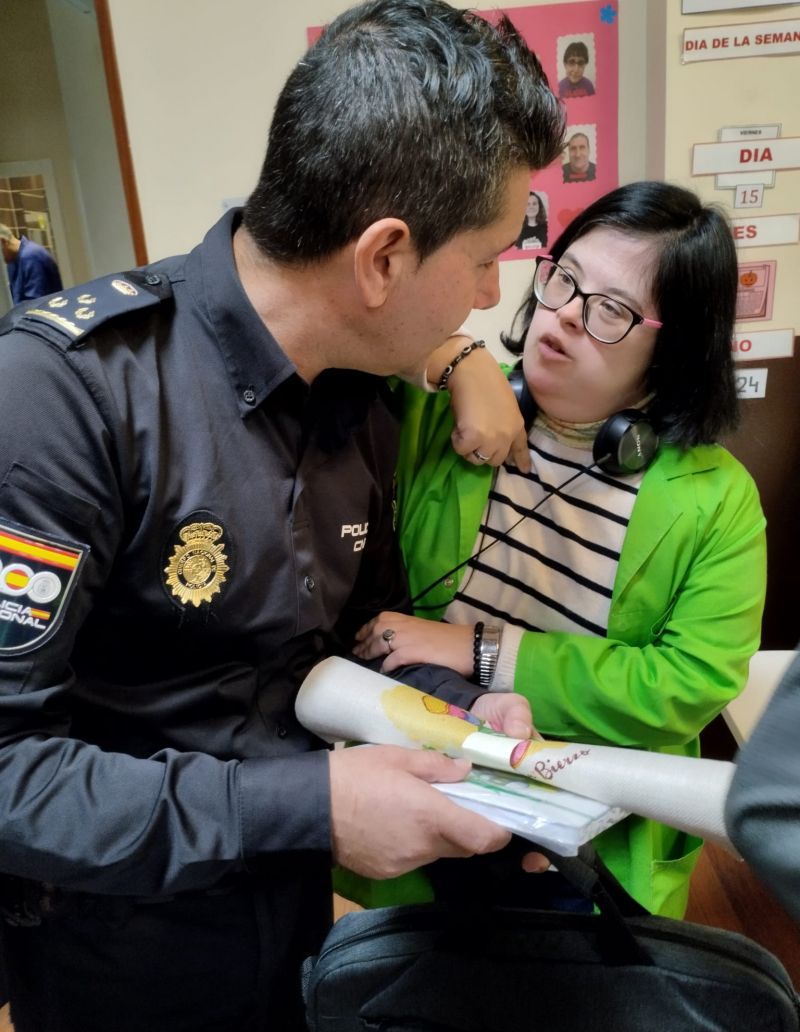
x=578 y=168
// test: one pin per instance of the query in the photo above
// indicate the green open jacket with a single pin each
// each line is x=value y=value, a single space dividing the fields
x=685 y=616
x=684 y=621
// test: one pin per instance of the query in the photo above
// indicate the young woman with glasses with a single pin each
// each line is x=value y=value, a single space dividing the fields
x=625 y=607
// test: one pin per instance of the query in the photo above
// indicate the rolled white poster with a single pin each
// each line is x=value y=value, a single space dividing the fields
x=342 y=701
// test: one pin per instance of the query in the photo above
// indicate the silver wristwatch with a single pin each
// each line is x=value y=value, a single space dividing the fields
x=488 y=652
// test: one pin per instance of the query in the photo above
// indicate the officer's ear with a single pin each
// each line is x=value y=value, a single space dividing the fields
x=383 y=255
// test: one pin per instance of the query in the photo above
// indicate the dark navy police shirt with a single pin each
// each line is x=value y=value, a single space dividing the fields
x=185 y=529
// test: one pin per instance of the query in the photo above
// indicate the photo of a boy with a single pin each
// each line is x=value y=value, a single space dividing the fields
x=575 y=83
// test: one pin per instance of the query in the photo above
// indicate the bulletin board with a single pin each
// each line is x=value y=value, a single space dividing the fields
x=550 y=30
x=573 y=180
x=733 y=135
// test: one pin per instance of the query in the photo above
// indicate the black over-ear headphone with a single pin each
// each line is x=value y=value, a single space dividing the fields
x=625 y=443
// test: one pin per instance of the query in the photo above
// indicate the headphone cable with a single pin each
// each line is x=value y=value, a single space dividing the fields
x=485 y=548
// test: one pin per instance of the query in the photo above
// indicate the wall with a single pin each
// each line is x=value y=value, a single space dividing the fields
x=54 y=105
x=698 y=100
x=704 y=96
x=32 y=122
x=199 y=89
x=87 y=113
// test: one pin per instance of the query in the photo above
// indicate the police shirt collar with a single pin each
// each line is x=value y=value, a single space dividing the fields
x=255 y=362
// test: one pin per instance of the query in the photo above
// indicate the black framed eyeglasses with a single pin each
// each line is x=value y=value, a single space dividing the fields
x=605 y=318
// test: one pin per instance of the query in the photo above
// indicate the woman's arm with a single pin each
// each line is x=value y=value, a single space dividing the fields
x=682 y=628
x=486 y=417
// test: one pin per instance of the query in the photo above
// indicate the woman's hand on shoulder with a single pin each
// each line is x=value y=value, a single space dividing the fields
x=488 y=424
x=403 y=640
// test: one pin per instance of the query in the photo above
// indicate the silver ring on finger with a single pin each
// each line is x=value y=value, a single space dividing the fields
x=388 y=636
x=480 y=456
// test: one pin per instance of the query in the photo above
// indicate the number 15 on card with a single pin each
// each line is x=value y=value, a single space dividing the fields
x=749 y=196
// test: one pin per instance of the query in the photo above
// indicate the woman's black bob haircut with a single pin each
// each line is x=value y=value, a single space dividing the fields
x=694 y=289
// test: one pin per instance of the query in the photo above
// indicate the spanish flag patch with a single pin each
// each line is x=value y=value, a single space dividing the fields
x=37 y=575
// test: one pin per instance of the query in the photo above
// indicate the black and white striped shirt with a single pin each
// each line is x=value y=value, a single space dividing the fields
x=554 y=570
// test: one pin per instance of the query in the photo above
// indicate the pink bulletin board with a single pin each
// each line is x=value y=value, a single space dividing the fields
x=548 y=29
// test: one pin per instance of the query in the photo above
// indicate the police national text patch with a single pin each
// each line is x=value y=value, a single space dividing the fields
x=37 y=575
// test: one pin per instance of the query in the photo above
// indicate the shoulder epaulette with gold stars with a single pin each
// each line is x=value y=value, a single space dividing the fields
x=68 y=317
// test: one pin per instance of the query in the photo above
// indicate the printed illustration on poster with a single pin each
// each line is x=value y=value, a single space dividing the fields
x=755 y=290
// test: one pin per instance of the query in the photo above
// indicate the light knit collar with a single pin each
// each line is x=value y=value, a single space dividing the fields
x=576 y=435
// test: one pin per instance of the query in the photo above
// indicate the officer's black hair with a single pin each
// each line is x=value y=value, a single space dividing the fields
x=694 y=290
x=403 y=108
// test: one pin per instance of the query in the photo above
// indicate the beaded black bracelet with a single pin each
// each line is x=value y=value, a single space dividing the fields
x=448 y=372
x=477 y=638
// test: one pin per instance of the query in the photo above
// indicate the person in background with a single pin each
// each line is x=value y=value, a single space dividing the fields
x=32 y=270
x=197 y=508
x=762 y=812
x=533 y=234
x=624 y=606
x=575 y=83
x=578 y=168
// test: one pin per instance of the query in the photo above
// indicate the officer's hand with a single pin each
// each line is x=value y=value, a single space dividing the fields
x=386 y=819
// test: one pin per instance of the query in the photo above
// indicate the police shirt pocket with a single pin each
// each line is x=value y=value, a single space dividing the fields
x=21 y=485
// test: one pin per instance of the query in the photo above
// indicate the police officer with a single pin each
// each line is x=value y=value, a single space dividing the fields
x=195 y=507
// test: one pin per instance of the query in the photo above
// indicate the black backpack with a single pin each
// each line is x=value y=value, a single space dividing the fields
x=476 y=968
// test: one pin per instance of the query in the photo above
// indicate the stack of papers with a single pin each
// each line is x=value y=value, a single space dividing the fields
x=551 y=817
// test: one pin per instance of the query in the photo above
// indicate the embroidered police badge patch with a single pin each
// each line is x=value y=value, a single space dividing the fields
x=198 y=566
x=37 y=575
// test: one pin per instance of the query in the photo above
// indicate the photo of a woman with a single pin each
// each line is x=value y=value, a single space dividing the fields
x=533 y=235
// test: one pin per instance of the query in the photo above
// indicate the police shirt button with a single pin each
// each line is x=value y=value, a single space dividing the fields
x=448 y=582
x=249 y=395
x=281 y=731
x=152 y=280
x=310 y=583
